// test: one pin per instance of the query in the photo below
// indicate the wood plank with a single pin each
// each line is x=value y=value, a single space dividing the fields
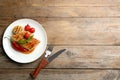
x=75 y=57
x=23 y=11
x=77 y=31
x=15 y=3
x=60 y=74
x=92 y=24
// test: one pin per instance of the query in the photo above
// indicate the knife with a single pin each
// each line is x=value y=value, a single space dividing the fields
x=45 y=60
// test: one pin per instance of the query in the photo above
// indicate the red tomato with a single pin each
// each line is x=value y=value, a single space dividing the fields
x=27 y=35
x=27 y=27
x=32 y=30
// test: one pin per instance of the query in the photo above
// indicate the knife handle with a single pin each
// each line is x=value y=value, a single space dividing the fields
x=41 y=65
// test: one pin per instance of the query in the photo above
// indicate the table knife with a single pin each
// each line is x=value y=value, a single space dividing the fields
x=45 y=60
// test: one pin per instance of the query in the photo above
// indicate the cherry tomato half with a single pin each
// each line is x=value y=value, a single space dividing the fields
x=27 y=35
x=27 y=27
x=32 y=30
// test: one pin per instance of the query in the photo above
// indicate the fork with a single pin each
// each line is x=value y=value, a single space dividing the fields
x=34 y=73
x=48 y=51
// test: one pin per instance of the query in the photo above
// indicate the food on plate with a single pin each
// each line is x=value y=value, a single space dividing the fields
x=28 y=28
x=32 y=30
x=23 y=39
x=27 y=35
x=31 y=44
x=17 y=29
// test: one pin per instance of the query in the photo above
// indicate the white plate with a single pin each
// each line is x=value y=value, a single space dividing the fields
x=19 y=57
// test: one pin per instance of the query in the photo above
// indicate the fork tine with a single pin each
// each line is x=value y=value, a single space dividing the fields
x=48 y=51
x=50 y=48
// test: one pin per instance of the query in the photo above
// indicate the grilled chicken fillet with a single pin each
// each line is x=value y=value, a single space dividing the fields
x=31 y=45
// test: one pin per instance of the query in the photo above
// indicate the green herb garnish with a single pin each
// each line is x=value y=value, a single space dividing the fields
x=23 y=41
x=29 y=39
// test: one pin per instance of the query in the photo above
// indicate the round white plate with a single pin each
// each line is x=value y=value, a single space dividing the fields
x=39 y=34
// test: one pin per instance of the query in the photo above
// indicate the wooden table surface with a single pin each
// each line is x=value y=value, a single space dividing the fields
x=88 y=29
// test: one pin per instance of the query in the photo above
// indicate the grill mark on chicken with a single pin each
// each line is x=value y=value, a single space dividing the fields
x=17 y=29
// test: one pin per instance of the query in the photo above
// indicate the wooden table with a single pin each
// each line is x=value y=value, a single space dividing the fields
x=88 y=29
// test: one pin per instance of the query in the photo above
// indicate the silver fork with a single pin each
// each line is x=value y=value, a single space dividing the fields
x=48 y=51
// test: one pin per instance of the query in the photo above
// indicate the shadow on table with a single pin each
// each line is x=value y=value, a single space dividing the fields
x=30 y=78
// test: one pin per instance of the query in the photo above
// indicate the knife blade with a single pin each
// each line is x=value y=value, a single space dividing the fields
x=52 y=57
x=44 y=62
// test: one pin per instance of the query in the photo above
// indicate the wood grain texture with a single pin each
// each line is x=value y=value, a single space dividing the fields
x=35 y=11
x=88 y=29
x=54 y=3
x=75 y=57
x=77 y=31
x=61 y=74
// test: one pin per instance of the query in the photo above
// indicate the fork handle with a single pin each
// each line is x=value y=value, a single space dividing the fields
x=41 y=65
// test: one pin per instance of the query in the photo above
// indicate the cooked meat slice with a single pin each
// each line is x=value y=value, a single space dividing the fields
x=17 y=37
x=17 y=29
x=31 y=45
